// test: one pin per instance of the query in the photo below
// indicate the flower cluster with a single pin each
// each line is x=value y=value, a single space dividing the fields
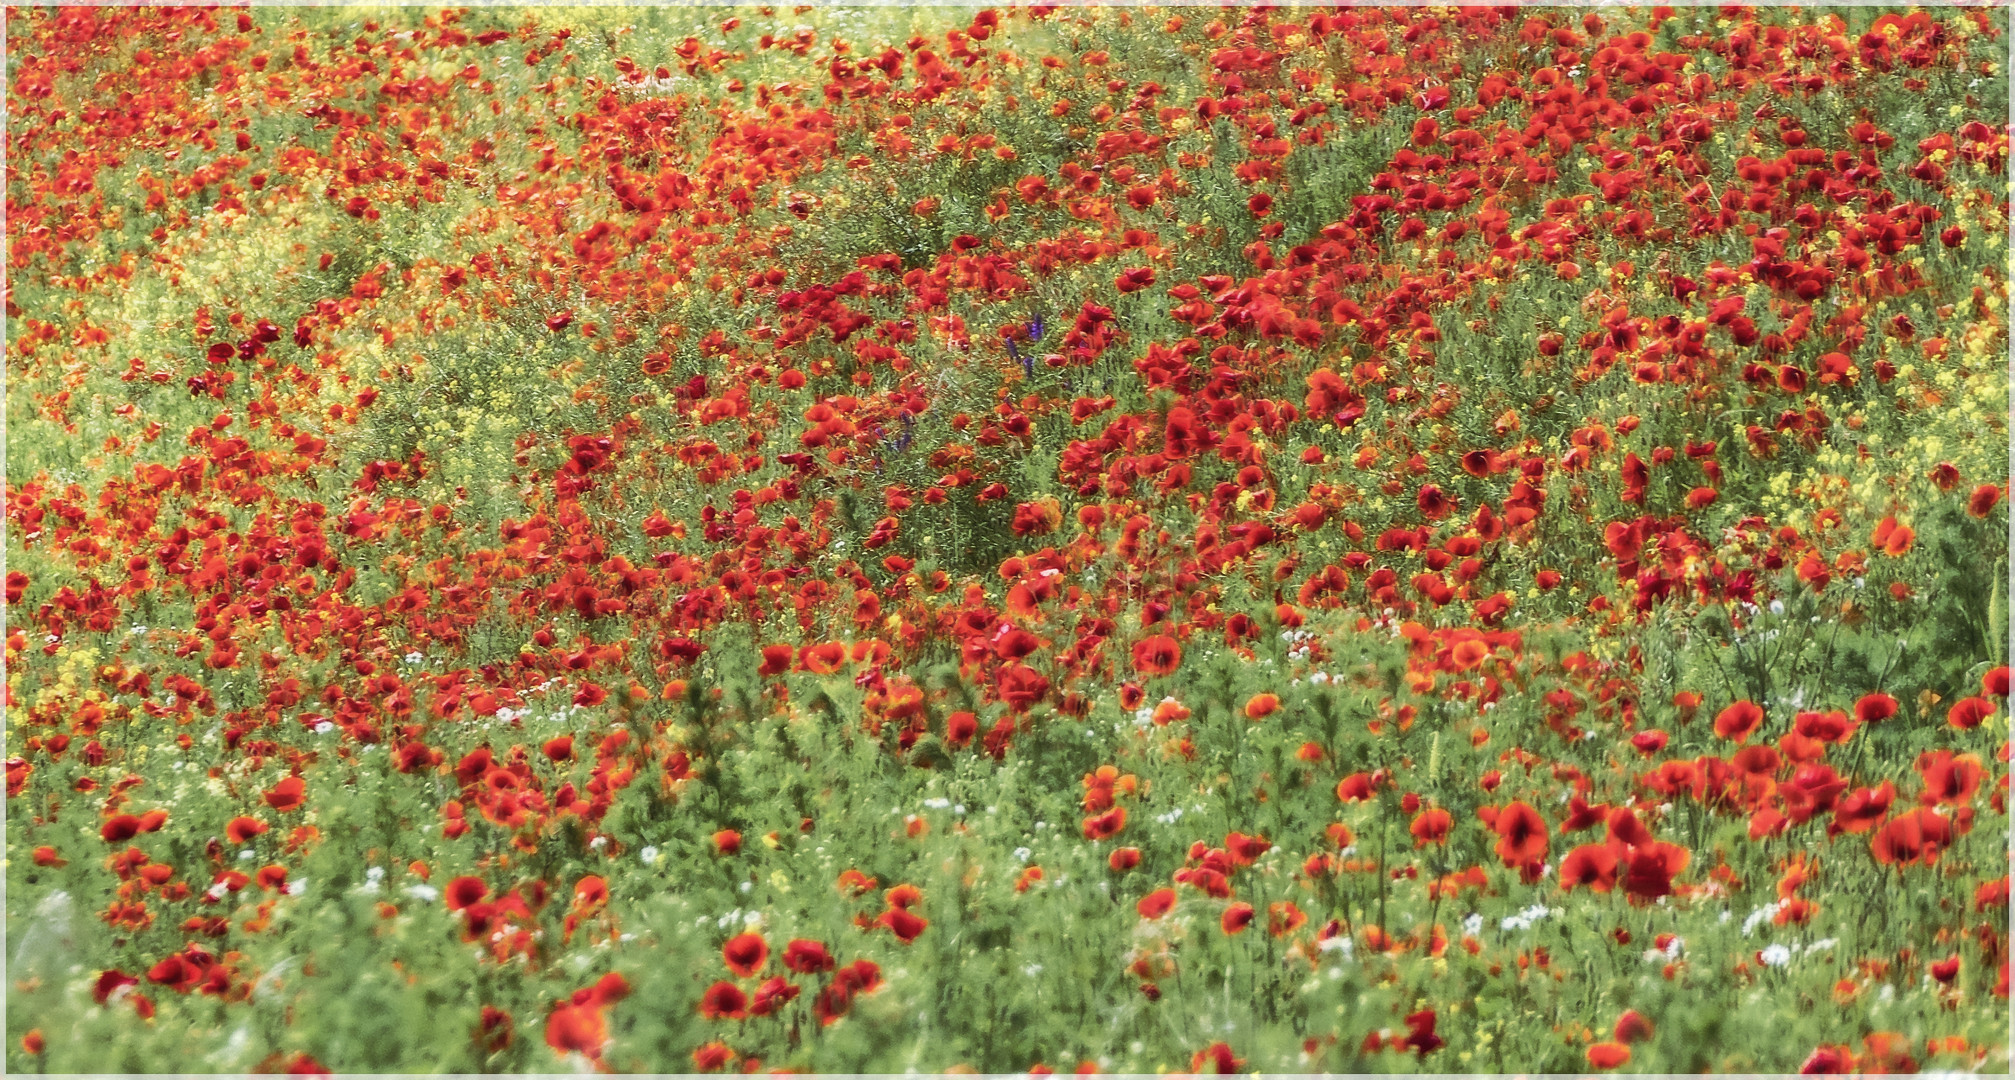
x=524 y=520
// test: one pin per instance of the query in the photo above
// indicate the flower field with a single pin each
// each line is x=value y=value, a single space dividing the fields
x=1045 y=538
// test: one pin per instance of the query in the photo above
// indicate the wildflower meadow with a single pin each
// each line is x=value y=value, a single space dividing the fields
x=1048 y=538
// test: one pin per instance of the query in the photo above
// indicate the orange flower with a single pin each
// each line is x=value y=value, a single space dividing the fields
x=1468 y=654
x=1156 y=904
x=713 y=1056
x=1262 y=706
x=1608 y=1055
x=1283 y=917
x=1892 y=538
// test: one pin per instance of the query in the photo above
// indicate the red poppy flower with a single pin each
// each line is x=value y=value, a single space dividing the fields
x=1124 y=859
x=1522 y=835
x=1237 y=917
x=1590 y=865
x=1633 y=1026
x=287 y=795
x=1421 y=1034
x=1948 y=779
x=1983 y=500
x=1157 y=655
x=123 y=827
x=1105 y=826
x=1430 y=827
x=1244 y=850
x=745 y=954
x=1021 y=687
x=1648 y=869
x=807 y=957
x=241 y=829
x=1649 y=742
x=1739 y=721
x=1215 y=1058
x=1861 y=810
x=859 y=976
x=1262 y=706
x=1969 y=713
x=577 y=1028
x=1995 y=682
x=1434 y=503
x=464 y=891
x=776 y=660
x=724 y=1001
x=1913 y=836
x=823 y=658
x=1828 y=1060
x=772 y=995
x=713 y=1056
x=1874 y=708
x=906 y=924
x=111 y=982
x=1832 y=727
x=1156 y=904
x=1357 y=787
